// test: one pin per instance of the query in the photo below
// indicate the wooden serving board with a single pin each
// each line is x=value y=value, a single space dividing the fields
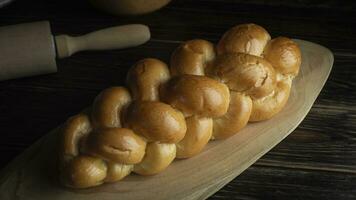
x=31 y=176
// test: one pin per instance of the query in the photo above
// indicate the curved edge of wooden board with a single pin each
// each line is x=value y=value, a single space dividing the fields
x=199 y=177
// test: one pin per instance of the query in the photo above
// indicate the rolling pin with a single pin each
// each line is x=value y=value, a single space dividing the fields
x=30 y=49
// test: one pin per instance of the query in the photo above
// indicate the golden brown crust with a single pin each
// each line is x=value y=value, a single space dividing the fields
x=236 y=117
x=198 y=134
x=156 y=121
x=197 y=95
x=265 y=108
x=158 y=157
x=108 y=105
x=145 y=78
x=119 y=145
x=117 y=171
x=246 y=38
x=245 y=73
x=73 y=132
x=284 y=55
x=84 y=172
x=192 y=57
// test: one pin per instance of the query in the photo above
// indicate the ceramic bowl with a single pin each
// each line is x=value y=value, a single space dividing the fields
x=4 y=2
x=129 y=7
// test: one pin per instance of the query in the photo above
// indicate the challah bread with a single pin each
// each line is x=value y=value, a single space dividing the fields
x=200 y=99
x=165 y=124
x=73 y=132
x=281 y=53
x=284 y=55
x=266 y=107
x=118 y=145
x=225 y=125
x=116 y=151
x=77 y=168
x=159 y=123
x=108 y=106
x=236 y=117
x=246 y=38
x=84 y=171
x=196 y=95
x=145 y=77
x=158 y=157
x=192 y=57
x=245 y=73
x=199 y=132
x=117 y=171
x=196 y=57
x=169 y=113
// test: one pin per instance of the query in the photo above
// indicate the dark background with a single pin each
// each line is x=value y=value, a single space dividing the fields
x=317 y=161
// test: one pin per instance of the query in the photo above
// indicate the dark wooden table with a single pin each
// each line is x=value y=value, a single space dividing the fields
x=317 y=161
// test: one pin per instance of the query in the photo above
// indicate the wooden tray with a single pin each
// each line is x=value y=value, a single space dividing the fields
x=30 y=175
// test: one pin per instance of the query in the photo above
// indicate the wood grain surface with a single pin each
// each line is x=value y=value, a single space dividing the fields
x=317 y=161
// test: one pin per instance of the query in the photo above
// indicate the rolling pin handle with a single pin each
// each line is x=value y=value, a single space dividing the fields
x=111 y=38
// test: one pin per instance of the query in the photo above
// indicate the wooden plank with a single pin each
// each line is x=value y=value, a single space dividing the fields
x=261 y=182
x=31 y=176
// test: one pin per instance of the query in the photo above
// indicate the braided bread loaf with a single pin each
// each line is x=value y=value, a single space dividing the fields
x=173 y=113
